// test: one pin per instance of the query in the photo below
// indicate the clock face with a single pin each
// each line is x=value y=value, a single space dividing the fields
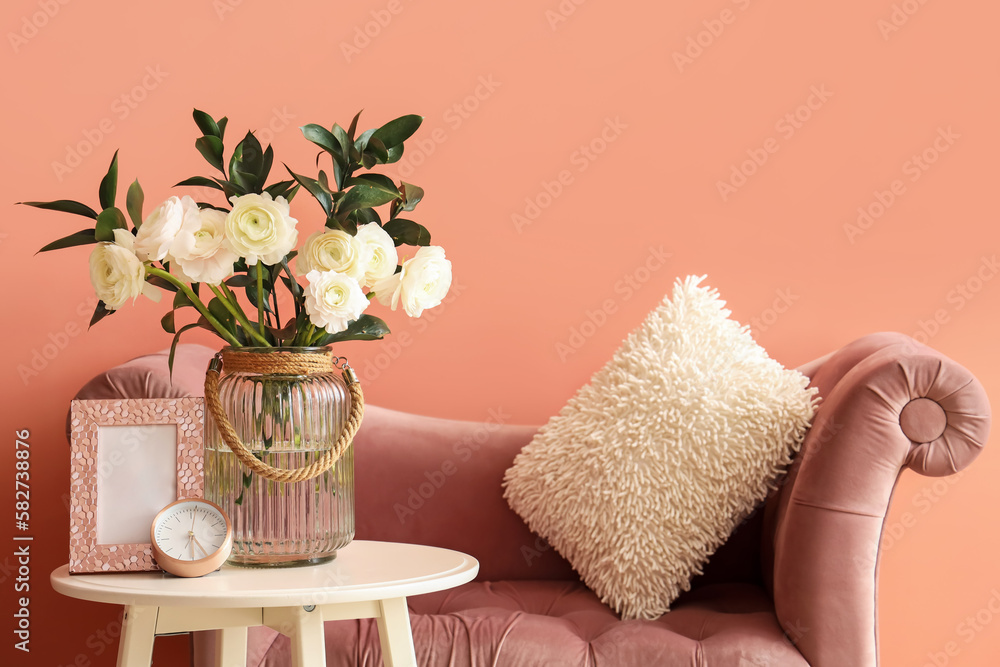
x=190 y=530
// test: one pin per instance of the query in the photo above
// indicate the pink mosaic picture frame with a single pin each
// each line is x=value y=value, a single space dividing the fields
x=129 y=459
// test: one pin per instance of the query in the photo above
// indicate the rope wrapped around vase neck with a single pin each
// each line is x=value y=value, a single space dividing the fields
x=282 y=363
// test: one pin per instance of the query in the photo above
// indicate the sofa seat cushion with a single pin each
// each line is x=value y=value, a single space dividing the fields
x=560 y=623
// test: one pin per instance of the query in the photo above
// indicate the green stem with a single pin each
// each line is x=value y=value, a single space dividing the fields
x=315 y=337
x=293 y=287
x=238 y=313
x=274 y=298
x=193 y=298
x=309 y=335
x=260 y=295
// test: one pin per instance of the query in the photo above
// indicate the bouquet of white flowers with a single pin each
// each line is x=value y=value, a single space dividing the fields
x=204 y=254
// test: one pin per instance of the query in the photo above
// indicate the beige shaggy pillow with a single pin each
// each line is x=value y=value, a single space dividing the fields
x=649 y=468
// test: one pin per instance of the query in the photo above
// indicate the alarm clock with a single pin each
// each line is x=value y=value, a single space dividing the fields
x=191 y=537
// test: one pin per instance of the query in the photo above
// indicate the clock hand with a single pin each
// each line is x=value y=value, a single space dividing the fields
x=203 y=550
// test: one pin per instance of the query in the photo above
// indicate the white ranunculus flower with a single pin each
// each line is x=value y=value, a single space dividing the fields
x=333 y=300
x=260 y=228
x=378 y=253
x=117 y=274
x=161 y=226
x=332 y=250
x=201 y=253
x=423 y=282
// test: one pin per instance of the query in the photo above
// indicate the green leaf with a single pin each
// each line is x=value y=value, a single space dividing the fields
x=205 y=204
x=251 y=292
x=133 y=203
x=326 y=140
x=292 y=285
x=280 y=189
x=63 y=205
x=222 y=127
x=82 y=237
x=354 y=126
x=375 y=153
x=377 y=181
x=364 y=195
x=252 y=157
x=239 y=280
x=412 y=194
x=109 y=184
x=399 y=130
x=200 y=181
x=322 y=137
x=157 y=281
x=366 y=327
x=206 y=124
x=173 y=346
x=342 y=140
x=265 y=167
x=182 y=301
x=231 y=189
x=395 y=153
x=365 y=216
x=315 y=189
x=362 y=142
x=99 y=313
x=211 y=149
x=406 y=231
x=285 y=333
x=222 y=314
x=167 y=322
x=324 y=182
x=344 y=224
x=109 y=220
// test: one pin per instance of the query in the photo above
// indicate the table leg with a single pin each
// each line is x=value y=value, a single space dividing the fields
x=304 y=629
x=394 y=634
x=231 y=648
x=135 y=648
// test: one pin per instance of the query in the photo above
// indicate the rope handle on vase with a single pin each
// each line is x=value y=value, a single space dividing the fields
x=247 y=458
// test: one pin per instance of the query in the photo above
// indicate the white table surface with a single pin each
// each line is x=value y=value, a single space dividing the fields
x=361 y=571
x=365 y=580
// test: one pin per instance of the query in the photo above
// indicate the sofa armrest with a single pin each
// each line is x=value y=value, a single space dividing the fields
x=888 y=404
x=438 y=482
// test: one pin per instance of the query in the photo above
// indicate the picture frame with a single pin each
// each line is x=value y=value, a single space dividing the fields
x=129 y=459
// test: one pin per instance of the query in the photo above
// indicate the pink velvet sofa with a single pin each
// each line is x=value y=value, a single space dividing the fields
x=796 y=584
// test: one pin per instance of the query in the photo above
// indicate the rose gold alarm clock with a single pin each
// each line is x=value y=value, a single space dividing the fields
x=191 y=537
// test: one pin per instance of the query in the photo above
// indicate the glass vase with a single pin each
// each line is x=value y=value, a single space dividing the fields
x=287 y=421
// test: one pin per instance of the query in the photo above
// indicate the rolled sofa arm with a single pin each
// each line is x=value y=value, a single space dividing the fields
x=889 y=403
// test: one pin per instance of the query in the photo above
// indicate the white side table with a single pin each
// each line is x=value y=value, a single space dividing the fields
x=366 y=580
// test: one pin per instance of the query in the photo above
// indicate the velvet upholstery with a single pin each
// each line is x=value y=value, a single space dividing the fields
x=795 y=585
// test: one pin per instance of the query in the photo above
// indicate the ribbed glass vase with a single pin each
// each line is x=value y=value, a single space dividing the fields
x=287 y=421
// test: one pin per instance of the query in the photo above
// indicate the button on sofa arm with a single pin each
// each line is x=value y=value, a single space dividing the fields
x=889 y=403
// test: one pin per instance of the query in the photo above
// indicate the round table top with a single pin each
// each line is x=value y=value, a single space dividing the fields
x=361 y=571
